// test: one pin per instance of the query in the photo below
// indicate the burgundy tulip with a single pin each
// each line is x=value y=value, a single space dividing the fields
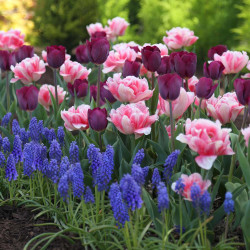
x=106 y=94
x=184 y=63
x=99 y=34
x=80 y=87
x=98 y=50
x=7 y=59
x=242 y=89
x=169 y=86
x=82 y=54
x=97 y=118
x=151 y=57
x=93 y=94
x=135 y=48
x=205 y=88
x=27 y=97
x=166 y=66
x=219 y=49
x=213 y=70
x=131 y=68
x=56 y=56
x=24 y=52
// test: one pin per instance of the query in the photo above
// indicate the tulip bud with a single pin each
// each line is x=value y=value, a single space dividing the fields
x=24 y=52
x=97 y=118
x=7 y=59
x=131 y=68
x=27 y=97
x=93 y=94
x=242 y=89
x=184 y=63
x=166 y=66
x=205 y=88
x=169 y=86
x=82 y=54
x=56 y=56
x=106 y=94
x=219 y=49
x=80 y=87
x=151 y=57
x=213 y=70
x=98 y=50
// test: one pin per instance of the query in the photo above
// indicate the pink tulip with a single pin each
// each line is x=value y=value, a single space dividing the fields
x=11 y=40
x=225 y=108
x=44 y=95
x=76 y=119
x=247 y=75
x=192 y=82
x=130 y=89
x=203 y=102
x=44 y=56
x=145 y=72
x=179 y=37
x=208 y=139
x=94 y=27
x=246 y=134
x=189 y=181
x=29 y=70
x=70 y=71
x=122 y=46
x=233 y=61
x=116 y=60
x=179 y=105
x=133 y=119
x=168 y=129
x=118 y=27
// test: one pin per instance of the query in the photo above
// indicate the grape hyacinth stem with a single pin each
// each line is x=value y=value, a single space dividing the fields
x=172 y=125
x=8 y=90
x=99 y=86
x=55 y=83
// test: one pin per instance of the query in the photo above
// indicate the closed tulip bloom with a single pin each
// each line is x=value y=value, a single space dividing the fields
x=219 y=49
x=7 y=59
x=166 y=66
x=82 y=54
x=80 y=87
x=213 y=70
x=131 y=68
x=44 y=56
x=27 y=97
x=233 y=61
x=184 y=63
x=98 y=50
x=99 y=34
x=169 y=86
x=151 y=57
x=242 y=89
x=106 y=94
x=97 y=118
x=205 y=88
x=55 y=56
x=24 y=52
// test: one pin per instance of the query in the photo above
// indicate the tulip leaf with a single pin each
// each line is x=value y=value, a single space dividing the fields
x=216 y=186
x=163 y=138
x=2 y=110
x=154 y=99
x=124 y=168
x=161 y=154
x=245 y=224
x=40 y=112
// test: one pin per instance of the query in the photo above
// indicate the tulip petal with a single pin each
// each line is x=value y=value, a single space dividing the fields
x=205 y=162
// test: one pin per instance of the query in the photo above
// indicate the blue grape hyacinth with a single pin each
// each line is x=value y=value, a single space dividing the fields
x=55 y=151
x=17 y=149
x=138 y=174
x=88 y=196
x=6 y=120
x=156 y=178
x=228 y=203
x=10 y=170
x=77 y=180
x=169 y=165
x=163 y=199
x=139 y=157
x=73 y=152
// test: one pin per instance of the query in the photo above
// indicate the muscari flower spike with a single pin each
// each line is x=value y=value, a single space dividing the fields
x=145 y=171
x=89 y=197
x=53 y=171
x=6 y=120
x=15 y=127
x=139 y=157
x=228 y=203
x=34 y=130
x=55 y=151
x=17 y=149
x=2 y=160
x=73 y=152
x=179 y=186
x=77 y=180
x=63 y=186
x=95 y=157
x=60 y=135
x=64 y=166
x=28 y=158
x=6 y=145
x=138 y=174
x=156 y=178
x=163 y=199
x=10 y=170
x=24 y=136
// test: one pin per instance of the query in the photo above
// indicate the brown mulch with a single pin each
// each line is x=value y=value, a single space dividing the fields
x=17 y=227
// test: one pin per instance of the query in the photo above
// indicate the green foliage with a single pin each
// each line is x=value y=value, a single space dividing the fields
x=63 y=22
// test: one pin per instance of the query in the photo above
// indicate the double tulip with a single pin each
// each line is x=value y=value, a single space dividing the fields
x=27 y=97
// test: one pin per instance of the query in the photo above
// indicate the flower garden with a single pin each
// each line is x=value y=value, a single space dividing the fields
x=131 y=147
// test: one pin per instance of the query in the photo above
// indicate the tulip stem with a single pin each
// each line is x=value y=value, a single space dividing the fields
x=7 y=90
x=153 y=80
x=98 y=86
x=186 y=84
x=244 y=117
x=200 y=107
x=172 y=125
x=55 y=83
x=100 y=140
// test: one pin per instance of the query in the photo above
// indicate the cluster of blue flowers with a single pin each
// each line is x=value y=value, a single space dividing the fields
x=228 y=203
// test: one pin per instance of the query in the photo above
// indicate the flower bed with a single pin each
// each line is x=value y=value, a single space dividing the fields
x=148 y=156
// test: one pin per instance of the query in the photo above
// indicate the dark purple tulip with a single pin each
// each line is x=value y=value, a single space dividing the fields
x=24 y=52
x=98 y=50
x=56 y=56
x=205 y=88
x=106 y=94
x=213 y=70
x=82 y=54
x=131 y=68
x=27 y=97
x=7 y=59
x=166 y=66
x=169 y=86
x=135 y=48
x=151 y=57
x=80 y=87
x=242 y=89
x=99 y=34
x=219 y=49
x=93 y=94
x=97 y=118
x=184 y=63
